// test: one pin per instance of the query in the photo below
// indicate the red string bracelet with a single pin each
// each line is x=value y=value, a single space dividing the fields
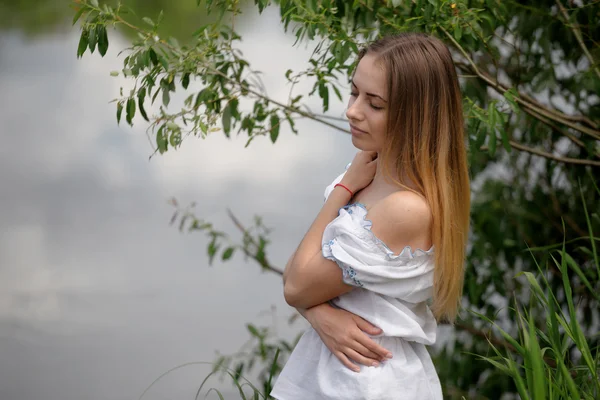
x=339 y=184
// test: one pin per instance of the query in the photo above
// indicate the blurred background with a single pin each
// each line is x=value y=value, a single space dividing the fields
x=99 y=295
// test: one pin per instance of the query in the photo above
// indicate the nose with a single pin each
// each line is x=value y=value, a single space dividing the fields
x=353 y=113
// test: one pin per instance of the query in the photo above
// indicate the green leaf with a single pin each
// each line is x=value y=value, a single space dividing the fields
x=292 y=124
x=94 y=3
x=185 y=81
x=164 y=62
x=173 y=42
x=253 y=331
x=202 y=97
x=161 y=140
x=212 y=250
x=92 y=39
x=153 y=57
x=505 y=140
x=175 y=138
x=226 y=119
x=114 y=73
x=492 y=143
x=155 y=95
x=324 y=94
x=83 y=43
x=119 y=111
x=228 y=253
x=345 y=52
x=510 y=95
x=141 y=97
x=148 y=21
x=337 y=92
x=537 y=363
x=78 y=15
x=102 y=40
x=130 y=111
x=480 y=134
x=457 y=31
x=274 y=129
x=166 y=98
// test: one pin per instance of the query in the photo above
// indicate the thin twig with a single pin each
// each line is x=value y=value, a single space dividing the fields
x=577 y=33
x=233 y=81
x=541 y=153
x=556 y=128
x=489 y=336
x=264 y=263
x=552 y=114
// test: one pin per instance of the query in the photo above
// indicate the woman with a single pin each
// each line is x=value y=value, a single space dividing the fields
x=361 y=266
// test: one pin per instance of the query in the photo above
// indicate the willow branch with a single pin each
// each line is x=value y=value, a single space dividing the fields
x=550 y=156
x=566 y=160
x=552 y=114
x=577 y=33
x=233 y=81
x=556 y=128
x=264 y=263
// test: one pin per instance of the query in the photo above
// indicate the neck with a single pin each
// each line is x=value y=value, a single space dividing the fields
x=381 y=180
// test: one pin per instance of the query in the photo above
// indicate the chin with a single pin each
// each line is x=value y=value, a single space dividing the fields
x=357 y=143
x=360 y=145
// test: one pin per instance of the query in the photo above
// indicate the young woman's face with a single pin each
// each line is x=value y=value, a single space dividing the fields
x=367 y=107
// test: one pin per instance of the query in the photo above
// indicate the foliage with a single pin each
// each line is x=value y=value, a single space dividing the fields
x=39 y=17
x=552 y=358
x=530 y=78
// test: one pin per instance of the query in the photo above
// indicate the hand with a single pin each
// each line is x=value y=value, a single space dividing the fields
x=361 y=172
x=344 y=335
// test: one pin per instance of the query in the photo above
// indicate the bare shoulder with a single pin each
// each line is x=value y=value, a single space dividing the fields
x=402 y=219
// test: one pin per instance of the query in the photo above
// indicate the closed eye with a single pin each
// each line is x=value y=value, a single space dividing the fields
x=354 y=94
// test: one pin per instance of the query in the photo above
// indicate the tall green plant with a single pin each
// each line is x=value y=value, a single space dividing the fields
x=552 y=357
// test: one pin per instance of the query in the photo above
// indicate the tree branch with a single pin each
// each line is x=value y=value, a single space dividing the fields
x=541 y=153
x=233 y=81
x=556 y=128
x=577 y=33
x=552 y=114
x=264 y=263
x=550 y=156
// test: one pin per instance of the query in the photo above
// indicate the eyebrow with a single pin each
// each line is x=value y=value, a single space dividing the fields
x=370 y=94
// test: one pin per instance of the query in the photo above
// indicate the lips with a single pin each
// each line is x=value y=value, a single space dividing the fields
x=356 y=131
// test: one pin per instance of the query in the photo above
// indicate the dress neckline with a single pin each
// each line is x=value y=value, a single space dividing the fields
x=367 y=225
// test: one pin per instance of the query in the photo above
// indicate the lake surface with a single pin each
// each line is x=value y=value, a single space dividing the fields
x=99 y=295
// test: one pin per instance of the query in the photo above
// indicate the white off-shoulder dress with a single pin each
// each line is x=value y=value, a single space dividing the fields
x=391 y=292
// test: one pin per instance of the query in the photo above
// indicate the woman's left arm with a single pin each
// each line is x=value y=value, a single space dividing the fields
x=308 y=265
x=310 y=278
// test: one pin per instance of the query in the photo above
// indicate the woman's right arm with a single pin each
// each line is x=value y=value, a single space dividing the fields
x=343 y=333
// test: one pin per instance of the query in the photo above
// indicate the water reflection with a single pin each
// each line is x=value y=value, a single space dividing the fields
x=98 y=295
x=38 y=17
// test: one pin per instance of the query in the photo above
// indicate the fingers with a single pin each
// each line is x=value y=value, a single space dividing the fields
x=370 y=344
x=367 y=326
x=370 y=155
x=362 y=350
x=349 y=364
x=359 y=358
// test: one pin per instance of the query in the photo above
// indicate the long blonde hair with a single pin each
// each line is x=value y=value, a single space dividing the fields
x=425 y=141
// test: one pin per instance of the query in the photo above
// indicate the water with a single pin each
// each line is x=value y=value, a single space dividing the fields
x=98 y=294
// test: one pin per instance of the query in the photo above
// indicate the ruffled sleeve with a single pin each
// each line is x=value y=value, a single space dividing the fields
x=368 y=263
